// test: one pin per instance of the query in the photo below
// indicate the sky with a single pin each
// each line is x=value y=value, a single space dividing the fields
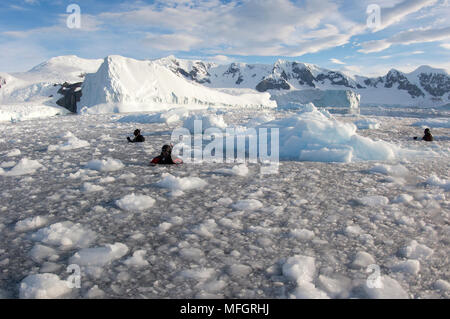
x=344 y=35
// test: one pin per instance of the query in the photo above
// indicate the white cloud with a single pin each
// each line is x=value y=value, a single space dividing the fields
x=336 y=61
x=446 y=46
x=406 y=37
x=398 y=12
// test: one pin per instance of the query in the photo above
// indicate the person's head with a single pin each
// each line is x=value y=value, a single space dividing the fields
x=166 y=150
x=427 y=131
x=137 y=132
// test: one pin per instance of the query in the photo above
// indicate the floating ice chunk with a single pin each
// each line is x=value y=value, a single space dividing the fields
x=206 y=229
x=300 y=269
x=180 y=183
x=225 y=201
x=338 y=287
x=43 y=286
x=95 y=292
x=99 y=256
x=260 y=120
x=367 y=124
x=311 y=135
x=309 y=291
x=91 y=188
x=137 y=260
x=200 y=274
x=72 y=142
x=302 y=234
x=403 y=198
x=168 y=117
x=409 y=266
x=248 y=205
x=107 y=180
x=8 y=164
x=106 y=165
x=24 y=167
x=436 y=181
x=40 y=252
x=14 y=153
x=390 y=289
x=164 y=227
x=442 y=285
x=134 y=202
x=391 y=170
x=239 y=270
x=207 y=121
x=352 y=230
x=31 y=223
x=193 y=254
x=238 y=170
x=414 y=250
x=65 y=235
x=374 y=201
x=362 y=260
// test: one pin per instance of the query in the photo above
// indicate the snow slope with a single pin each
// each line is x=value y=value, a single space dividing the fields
x=33 y=94
x=128 y=85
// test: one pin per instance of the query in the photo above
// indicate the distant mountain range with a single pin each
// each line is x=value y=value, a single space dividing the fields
x=70 y=80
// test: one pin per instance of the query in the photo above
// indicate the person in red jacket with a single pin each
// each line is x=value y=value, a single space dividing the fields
x=166 y=157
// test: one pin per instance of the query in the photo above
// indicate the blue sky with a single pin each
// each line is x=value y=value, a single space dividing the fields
x=332 y=34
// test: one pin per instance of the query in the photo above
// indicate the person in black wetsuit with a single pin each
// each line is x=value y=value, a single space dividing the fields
x=138 y=138
x=166 y=157
x=427 y=137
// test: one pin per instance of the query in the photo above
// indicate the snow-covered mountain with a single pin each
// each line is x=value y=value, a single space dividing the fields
x=424 y=87
x=164 y=82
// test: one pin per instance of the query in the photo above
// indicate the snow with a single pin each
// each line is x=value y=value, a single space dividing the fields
x=106 y=165
x=134 y=202
x=99 y=256
x=43 y=286
x=391 y=170
x=72 y=143
x=24 y=167
x=65 y=235
x=40 y=253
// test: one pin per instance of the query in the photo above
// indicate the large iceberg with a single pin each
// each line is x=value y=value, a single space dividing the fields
x=336 y=101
